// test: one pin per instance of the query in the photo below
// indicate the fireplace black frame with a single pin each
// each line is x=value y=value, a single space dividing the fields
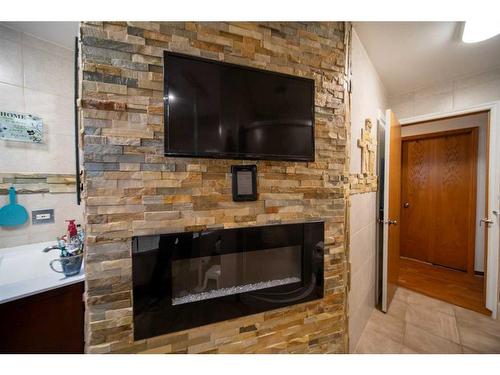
x=154 y=313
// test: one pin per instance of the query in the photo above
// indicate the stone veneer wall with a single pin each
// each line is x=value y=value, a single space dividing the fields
x=36 y=183
x=361 y=183
x=132 y=189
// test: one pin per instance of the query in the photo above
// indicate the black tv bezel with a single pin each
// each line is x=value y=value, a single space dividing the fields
x=231 y=155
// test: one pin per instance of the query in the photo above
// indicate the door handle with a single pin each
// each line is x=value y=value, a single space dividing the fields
x=406 y=204
x=486 y=220
x=388 y=222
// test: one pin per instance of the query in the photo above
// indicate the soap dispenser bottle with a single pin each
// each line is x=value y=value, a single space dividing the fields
x=72 y=235
x=71 y=228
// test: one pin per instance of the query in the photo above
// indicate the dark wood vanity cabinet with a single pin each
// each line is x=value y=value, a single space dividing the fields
x=48 y=322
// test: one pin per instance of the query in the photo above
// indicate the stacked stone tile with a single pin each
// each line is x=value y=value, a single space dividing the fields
x=36 y=183
x=361 y=183
x=130 y=188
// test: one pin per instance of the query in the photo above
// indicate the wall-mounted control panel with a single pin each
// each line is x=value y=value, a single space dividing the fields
x=42 y=216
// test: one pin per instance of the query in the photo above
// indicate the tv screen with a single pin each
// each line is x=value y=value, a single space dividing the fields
x=221 y=110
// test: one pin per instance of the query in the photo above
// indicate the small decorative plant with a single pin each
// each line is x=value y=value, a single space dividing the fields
x=71 y=247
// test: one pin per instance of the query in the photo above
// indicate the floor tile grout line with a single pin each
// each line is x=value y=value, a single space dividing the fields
x=427 y=329
x=458 y=330
x=430 y=331
x=404 y=335
x=437 y=336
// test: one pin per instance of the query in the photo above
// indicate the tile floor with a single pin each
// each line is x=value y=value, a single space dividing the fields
x=419 y=324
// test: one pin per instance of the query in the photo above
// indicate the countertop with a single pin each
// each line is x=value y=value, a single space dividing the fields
x=25 y=271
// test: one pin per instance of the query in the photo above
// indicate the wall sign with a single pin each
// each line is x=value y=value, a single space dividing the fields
x=21 y=127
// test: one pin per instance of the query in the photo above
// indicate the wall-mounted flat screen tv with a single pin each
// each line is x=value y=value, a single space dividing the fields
x=221 y=110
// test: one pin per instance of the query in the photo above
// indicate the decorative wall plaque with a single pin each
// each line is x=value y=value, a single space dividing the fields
x=367 y=149
x=21 y=127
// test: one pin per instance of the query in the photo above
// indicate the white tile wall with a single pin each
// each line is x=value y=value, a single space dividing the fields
x=7 y=33
x=477 y=94
x=442 y=102
x=30 y=41
x=36 y=77
x=361 y=244
x=11 y=97
x=362 y=212
x=477 y=79
x=11 y=71
x=368 y=98
x=363 y=263
x=64 y=206
x=455 y=95
x=48 y=72
x=360 y=315
x=56 y=111
x=403 y=105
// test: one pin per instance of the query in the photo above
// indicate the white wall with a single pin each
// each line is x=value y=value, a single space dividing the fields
x=455 y=95
x=479 y=120
x=368 y=98
x=36 y=77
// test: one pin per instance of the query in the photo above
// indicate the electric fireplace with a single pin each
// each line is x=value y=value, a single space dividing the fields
x=184 y=280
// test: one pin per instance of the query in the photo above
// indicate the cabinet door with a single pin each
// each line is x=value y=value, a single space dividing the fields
x=49 y=322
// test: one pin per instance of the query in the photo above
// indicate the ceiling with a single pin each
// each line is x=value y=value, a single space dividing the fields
x=412 y=55
x=61 y=33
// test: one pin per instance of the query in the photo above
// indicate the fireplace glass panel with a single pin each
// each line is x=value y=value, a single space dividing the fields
x=203 y=278
x=189 y=279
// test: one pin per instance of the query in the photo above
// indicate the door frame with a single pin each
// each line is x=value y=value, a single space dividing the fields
x=493 y=170
x=471 y=246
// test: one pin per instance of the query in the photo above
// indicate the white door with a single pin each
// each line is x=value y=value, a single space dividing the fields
x=491 y=219
x=392 y=209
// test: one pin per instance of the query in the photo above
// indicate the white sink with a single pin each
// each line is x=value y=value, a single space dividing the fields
x=26 y=262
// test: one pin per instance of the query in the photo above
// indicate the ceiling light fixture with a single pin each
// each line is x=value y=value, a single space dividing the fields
x=477 y=31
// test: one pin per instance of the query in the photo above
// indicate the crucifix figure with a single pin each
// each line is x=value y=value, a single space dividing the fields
x=365 y=143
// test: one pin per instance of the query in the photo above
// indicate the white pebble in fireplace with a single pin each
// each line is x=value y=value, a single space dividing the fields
x=233 y=290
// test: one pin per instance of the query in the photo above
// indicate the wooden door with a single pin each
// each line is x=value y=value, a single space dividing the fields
x=392 y=209
x=416 y=179
x=439 y=198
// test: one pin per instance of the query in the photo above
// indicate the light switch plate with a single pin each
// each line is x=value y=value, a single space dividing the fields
x=42 y=216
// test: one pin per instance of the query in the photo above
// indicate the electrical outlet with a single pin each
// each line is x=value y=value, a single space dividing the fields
x=42 y=216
